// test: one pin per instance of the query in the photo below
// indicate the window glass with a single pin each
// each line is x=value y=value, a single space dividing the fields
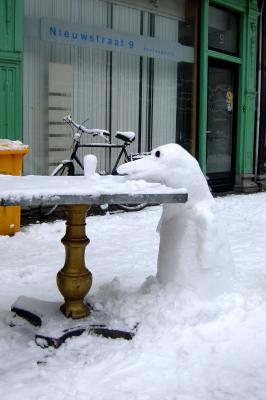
x=220 y=119
x=223 y=30
x=115 y=66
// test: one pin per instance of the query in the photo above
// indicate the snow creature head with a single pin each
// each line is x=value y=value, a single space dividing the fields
x=172 y=166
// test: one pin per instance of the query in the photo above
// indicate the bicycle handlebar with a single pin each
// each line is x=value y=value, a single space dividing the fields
x=95 y=132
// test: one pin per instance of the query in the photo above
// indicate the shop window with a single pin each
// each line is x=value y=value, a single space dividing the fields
x=117 y=66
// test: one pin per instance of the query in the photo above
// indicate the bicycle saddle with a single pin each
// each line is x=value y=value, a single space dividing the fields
x=125 y=136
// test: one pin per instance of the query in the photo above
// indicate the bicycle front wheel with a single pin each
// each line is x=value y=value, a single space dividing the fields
x=63 y=169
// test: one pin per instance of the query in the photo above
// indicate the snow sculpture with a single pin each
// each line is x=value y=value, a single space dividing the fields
x=90 y=164
x=193 y=251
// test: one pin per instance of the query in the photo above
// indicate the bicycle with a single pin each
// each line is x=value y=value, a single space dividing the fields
x=67 y=167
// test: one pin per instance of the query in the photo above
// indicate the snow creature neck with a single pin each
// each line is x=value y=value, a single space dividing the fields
x=193 y=249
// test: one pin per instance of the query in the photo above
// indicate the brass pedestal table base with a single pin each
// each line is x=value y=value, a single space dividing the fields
x=74 y=281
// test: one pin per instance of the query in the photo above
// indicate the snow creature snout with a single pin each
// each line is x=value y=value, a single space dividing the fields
x=172 y=166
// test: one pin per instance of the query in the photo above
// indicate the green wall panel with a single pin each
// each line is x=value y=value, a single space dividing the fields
x=7 y=25
x=19 y=25
x=10 y=101
x=11 y=46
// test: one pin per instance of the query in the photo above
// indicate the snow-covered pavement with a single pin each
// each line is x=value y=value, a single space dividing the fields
x=185 y=349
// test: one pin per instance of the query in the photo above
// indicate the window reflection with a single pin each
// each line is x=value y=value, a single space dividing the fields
x=223 y=30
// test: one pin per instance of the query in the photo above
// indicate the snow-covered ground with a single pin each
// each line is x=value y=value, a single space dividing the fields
x=184 y=349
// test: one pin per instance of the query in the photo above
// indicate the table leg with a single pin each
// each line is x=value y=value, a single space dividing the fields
x=74 y=280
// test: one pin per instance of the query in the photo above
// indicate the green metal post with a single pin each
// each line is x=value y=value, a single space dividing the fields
x=241 y=97
x=250 y=95
x=247 y=101
x=203 y=89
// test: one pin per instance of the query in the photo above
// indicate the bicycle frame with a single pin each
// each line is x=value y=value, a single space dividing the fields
x=69 y=167
x=110 y=146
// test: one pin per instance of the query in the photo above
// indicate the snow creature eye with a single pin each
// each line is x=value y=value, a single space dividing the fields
x=157 y=153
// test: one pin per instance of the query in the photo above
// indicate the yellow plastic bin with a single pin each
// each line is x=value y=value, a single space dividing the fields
x=11 y=156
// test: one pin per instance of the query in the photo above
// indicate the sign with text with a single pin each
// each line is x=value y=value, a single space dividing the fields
x=108 y=39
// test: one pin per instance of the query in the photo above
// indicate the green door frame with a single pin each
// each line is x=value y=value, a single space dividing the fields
x=246 y=89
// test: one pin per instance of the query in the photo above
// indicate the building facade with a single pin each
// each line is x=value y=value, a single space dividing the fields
x=172 y=71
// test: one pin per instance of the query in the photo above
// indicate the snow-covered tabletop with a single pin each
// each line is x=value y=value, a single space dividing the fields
x=36 y=190
x=74 y=280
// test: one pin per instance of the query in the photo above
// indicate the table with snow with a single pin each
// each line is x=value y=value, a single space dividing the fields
x=77 y=195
